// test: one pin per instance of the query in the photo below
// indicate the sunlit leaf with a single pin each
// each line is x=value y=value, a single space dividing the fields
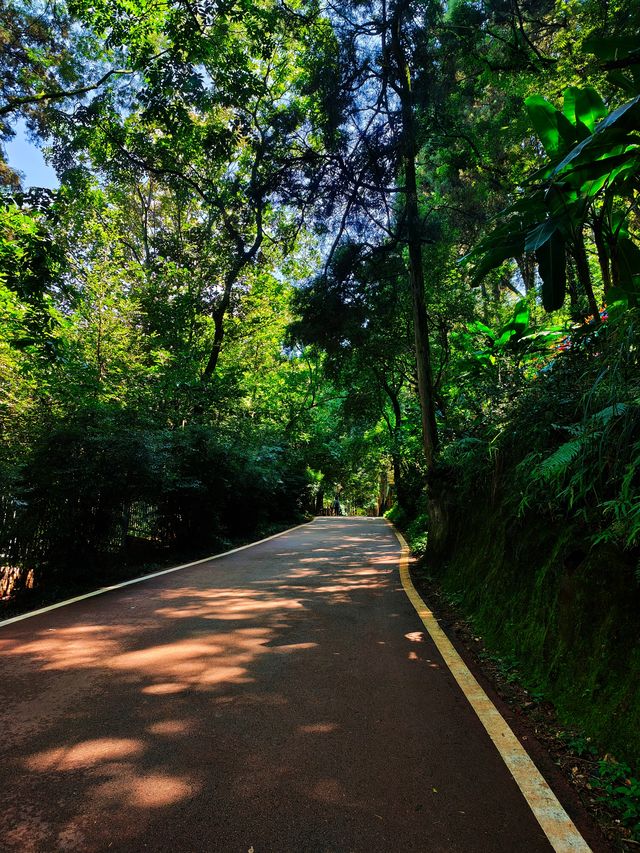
x=555 y=131
x=540 y=235
x=583 y=106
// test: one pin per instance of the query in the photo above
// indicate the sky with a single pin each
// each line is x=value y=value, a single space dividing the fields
x=25 y=157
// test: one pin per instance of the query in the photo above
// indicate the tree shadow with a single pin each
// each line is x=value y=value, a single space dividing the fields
x=219 y=708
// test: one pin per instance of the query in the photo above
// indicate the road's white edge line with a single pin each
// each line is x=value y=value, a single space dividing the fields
x=104 y=589
x=556 y=824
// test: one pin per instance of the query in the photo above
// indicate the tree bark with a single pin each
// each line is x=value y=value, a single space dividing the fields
x=218 y=336
x=584 y=275
x=573 y=291
x=603 y=258
x=243 y=259
x=414 y=243
x=394 y=432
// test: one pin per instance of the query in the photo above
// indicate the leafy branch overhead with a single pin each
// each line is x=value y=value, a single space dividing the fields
x=590 y=180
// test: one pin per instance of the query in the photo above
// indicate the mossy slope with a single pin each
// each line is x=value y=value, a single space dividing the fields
x=568 y=615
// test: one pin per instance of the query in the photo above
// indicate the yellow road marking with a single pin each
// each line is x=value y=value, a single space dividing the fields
x=555 y=822
x=104 y=589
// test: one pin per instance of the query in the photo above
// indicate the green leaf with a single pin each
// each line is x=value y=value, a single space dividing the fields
x=621 y=81
x=628 y=262
x=588 y=178
x=505 y=337
x=620 y=298
x=521 y=314
x=612 y=47
x=605 y=415
x=507 y=239
x=494 y=250
x=517 y=325
x=540 y=235
x=626 y=116
x=556 y=465
x=552 y=267
x=555 y=131
x=477 y=326
x=543 y=118
x=617 y=125
x=563 y=202
x=584 y=106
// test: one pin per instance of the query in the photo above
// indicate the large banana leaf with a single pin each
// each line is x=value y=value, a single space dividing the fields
x=540 y=235
x=583 y=108
x=599 y=156
x=625 y=120
x=556 y=132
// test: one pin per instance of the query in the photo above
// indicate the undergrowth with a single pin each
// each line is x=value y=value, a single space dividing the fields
x=544 y=539
x=620 y=792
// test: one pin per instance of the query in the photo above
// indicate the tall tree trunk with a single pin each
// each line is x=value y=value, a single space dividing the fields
x=576 y=315
x=219 y=315
x=584 y=275
x=414 y=242
x=244 y=256
x=603 y=257
x=394 y=431
x=527 y=266
x=218 y=335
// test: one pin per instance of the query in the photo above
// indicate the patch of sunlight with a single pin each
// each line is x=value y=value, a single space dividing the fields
x=89 y=753
x=415 y=636
x=169 y=728
x=165 y=689
x=151 y=790
x=318 y=728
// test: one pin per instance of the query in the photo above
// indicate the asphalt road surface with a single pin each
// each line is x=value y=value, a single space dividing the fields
x=283 y=698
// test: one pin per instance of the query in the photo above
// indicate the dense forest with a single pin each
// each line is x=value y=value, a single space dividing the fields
x=386 y=250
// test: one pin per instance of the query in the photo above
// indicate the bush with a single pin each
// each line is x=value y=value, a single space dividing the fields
x=105 y=488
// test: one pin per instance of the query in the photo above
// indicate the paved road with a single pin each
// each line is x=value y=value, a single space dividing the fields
x=283 y=698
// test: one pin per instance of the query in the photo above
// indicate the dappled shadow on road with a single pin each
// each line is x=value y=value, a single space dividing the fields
x=257 y=702
x=195 y=704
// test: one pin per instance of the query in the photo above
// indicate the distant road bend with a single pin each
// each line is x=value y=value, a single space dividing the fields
x=285 y=697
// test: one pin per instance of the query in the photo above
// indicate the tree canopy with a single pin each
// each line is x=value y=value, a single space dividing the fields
x=303 y=249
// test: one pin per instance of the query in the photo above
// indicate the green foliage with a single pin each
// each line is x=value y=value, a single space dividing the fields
x=30 y=267
x=588 y=467
x=578 y=744
x=112 y=447
x=417 y=535
x=621 y=793
x=397 y=516
x=589 y=177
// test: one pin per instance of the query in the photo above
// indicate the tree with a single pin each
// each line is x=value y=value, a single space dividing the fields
x=358 y=313
x=222 y=116
x=46 y=62
x=591 y=179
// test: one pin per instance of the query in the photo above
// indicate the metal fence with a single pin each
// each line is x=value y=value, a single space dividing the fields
x=34 y=539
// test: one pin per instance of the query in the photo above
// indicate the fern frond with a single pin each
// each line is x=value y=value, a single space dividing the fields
x=558 y=463
x=605 y=415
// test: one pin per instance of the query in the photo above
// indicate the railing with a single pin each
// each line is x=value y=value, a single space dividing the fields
x=34 y=538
